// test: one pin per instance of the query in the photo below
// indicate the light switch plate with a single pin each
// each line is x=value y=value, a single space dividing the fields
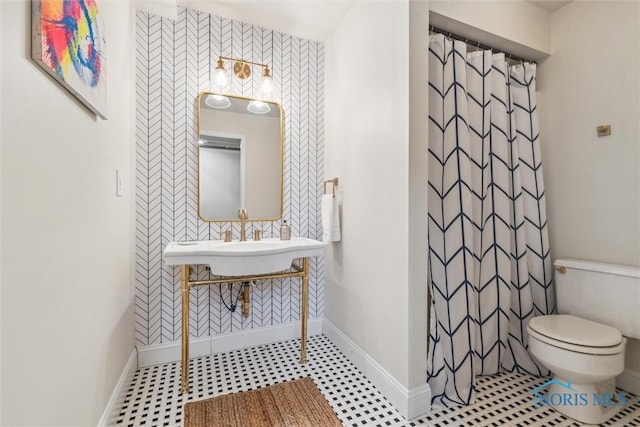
x=119 y=184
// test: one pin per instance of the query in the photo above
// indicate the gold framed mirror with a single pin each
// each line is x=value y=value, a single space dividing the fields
x=240 y=158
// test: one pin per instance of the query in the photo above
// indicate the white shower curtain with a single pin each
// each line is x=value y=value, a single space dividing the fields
x=490 y=267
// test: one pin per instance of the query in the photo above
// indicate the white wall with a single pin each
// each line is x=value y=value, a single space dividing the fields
x=367 y=131
x=593 y=184
x=220 y=183
x=515 y=26
x=418 y=178
x=309 y=19
x=67 y=325
x=1 y=162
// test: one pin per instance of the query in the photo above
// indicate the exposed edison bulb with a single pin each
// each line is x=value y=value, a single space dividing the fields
x=266 y=87
x=220 y=75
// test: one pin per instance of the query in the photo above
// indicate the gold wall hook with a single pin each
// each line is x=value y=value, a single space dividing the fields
x=604 y=130
x=333 y=181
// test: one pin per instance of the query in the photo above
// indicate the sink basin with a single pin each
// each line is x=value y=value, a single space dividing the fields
x=242 y=258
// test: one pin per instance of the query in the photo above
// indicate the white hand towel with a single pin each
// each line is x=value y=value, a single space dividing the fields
x=330 y=219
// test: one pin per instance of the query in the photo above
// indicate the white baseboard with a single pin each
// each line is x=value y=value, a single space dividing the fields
x=411 y=403
x=171 y=352
x=158 y=354
x=117 y=396
x=629 y=381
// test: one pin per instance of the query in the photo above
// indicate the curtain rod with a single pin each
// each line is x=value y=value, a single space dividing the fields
x=477 y=44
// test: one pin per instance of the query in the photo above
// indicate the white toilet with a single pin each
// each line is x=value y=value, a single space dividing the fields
x=584 y=346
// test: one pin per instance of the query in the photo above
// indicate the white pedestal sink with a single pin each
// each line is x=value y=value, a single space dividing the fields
x=267 y=257
x=242 y=258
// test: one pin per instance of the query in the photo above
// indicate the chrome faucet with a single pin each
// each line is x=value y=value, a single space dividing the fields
x=243 y=215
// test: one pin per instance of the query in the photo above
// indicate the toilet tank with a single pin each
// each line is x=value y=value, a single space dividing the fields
x=605 y=293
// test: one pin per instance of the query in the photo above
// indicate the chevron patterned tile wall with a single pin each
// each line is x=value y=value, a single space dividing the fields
x=174 y=62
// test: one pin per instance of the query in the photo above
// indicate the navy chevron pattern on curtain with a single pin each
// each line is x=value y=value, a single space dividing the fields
x=489 y=261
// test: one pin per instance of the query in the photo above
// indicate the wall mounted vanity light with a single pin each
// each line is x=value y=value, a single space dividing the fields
x=242 y=70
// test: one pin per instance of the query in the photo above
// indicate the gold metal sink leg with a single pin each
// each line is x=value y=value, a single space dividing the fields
x=305 y=310
x=186 y=285
x=185 y=327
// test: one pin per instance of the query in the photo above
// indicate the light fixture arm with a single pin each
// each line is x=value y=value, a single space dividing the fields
x=242 y=70
x=245 y=61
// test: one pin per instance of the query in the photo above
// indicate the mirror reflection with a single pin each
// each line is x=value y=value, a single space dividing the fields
x=239 y=158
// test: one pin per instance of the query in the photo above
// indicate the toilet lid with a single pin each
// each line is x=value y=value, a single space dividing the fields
x=577 y=331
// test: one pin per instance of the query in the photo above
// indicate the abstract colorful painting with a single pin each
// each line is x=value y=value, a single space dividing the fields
x=68 y=42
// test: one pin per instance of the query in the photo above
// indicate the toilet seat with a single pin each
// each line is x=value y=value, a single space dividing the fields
x=576 y=334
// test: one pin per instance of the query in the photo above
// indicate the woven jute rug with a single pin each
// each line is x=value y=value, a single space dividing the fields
x=296 y=403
